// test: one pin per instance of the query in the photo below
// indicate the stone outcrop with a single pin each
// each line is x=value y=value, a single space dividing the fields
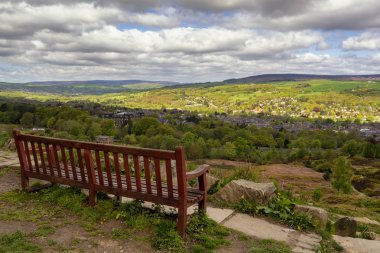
x=345 y=226
x=261 y=193
x=319 y=215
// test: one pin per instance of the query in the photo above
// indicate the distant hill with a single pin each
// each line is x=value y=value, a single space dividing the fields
x=94 y=87
x=103 y=82
x=298 y=77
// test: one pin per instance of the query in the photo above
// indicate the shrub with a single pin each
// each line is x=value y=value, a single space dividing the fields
x=342 y=174
x=317 y=195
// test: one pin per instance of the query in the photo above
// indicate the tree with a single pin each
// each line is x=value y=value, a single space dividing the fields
x=94 y=130
x=142 y=125
x=342 y=174
x=27 y=119
x=108 y=127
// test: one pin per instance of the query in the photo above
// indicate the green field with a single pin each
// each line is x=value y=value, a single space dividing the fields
x=337 y=100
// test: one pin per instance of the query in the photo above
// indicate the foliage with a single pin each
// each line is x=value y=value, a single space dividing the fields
x=166 y=237
x=317 y=195
x=342 y=174
x=206 y=233
x=269 y=246
x=17 y=243
x=280 y=208
x=329 y=246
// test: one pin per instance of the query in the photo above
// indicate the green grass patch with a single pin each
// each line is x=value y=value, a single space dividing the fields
x=269 y=246
x=17 y=242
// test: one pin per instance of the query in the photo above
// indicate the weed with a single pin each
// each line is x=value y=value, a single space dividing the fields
x=280 y=208
x=317 y=195
x=166 y=237
x=45 y=230
x=17 y=242
x=206 y=233
x=269 y=246
x=121 y=233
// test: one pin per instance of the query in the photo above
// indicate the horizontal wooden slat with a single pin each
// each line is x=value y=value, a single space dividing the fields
x=154 y=153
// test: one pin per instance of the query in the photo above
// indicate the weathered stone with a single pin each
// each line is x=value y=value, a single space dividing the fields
x=346 y=226
x=260 y=193
x=318 y=214
x=357 y=245
x=211 y=182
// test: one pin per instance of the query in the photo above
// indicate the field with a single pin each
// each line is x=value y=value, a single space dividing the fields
x=337 y=100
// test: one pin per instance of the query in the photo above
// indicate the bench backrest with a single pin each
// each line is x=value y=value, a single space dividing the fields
x=109 y=166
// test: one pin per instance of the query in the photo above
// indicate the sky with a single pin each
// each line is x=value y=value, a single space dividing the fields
x=186 y=40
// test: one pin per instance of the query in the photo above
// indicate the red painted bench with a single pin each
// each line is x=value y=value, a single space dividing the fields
x=157 y=176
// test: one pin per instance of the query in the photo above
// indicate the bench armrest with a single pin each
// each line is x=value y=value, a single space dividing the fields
x=197 y=172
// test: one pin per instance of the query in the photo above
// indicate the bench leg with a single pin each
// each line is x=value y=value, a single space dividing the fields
x=24 y=182
x=182 y=220
x=91 y=197
x=202 y=181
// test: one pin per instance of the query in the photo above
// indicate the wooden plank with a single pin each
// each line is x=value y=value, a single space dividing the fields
x=137 y=172
x=169 y=177
x=56 y=159
x=99 y=166
x=117 y=171
x=27 y=153
x=72 y=162
x=49 y=159
x=81 y=165
x=157 y=170
x=42 y=158
x=108 y=168
x=64 y=160
x=127 y=172
x=154 y=153
x=35 y=157
x=147 y=175
x=91 y=176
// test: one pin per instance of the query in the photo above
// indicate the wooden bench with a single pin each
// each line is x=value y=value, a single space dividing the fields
x=157 y=176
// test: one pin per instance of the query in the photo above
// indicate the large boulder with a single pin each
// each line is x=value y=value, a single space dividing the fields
x=319 y=215
x=260 y=193
x=346 y=226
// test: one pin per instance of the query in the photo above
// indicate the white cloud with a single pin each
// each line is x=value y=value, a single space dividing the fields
x=366 y=40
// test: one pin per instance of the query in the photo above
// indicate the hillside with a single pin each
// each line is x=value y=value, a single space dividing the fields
x=333 y=99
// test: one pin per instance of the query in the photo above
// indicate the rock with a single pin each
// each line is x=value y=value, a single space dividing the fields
x=211 y=182
x=345 y=226
x=318 y=214
x=260 y=193
x=357 y=245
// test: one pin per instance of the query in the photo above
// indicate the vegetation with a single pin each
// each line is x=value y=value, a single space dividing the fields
x=281 y=209
x=337 y=100
x=203 y=234
x=342 y=174
x=17 y=242
x=269 y=246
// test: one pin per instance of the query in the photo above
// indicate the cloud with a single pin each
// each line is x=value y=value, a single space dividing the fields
x=182 y=40
x=365 y=41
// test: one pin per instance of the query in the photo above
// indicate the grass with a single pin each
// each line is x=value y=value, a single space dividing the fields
x=17 y=242
x=45 y=206
x=269 y=246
